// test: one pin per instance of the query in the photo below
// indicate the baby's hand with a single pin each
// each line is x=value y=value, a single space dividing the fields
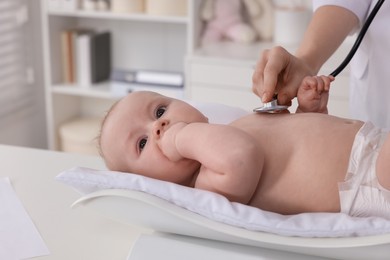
x=313 y=94
x=167 y=141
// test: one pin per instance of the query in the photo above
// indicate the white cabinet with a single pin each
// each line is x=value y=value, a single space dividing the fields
x=138 y=41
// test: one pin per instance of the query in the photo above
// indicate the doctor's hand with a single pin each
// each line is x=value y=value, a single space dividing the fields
x=278 y=71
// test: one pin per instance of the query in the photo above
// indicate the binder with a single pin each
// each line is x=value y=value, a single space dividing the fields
x=100 y=49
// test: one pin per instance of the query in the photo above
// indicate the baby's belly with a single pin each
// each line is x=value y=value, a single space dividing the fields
x=292 y=197
x=307 y=183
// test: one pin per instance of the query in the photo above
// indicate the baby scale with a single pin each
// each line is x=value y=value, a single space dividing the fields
x=274 y=107
x=181 y=234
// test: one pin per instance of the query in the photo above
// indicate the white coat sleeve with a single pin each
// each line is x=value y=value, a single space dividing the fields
x=359 y=7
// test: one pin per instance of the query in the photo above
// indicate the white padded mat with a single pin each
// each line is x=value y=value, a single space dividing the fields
x=218 y=208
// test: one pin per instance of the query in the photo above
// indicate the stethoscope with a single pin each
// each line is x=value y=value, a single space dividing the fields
x=274 y=107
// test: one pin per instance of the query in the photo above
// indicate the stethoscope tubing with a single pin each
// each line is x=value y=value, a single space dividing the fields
x=358 y=39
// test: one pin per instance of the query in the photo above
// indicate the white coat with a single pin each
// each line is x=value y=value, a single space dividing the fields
x=370 y=67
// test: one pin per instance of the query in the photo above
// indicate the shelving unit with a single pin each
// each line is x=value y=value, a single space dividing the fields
x=139 y=41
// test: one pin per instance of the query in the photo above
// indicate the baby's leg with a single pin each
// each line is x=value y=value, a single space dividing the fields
x=383 y=164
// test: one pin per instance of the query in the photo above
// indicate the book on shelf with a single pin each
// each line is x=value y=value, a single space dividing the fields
x=54 y=4
x=67 y=57
x=100 y=45
x=69 y=5
x=83 y=60
x=149 y=77
x=86 y=56
x=121 y=89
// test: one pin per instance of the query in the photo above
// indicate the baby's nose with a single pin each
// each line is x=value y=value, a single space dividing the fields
x=159 y=128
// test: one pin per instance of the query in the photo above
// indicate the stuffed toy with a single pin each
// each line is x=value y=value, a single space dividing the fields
x=238 y=20
x=224 y=20
x=260 y=14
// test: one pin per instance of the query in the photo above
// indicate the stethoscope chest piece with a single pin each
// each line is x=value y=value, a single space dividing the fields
x=270 y=107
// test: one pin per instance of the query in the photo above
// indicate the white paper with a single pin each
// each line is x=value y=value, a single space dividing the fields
x=19 y=238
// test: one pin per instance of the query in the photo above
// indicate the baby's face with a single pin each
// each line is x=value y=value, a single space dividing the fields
x=129 y=145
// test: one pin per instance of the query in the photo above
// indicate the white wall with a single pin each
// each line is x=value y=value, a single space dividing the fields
x=28 y=127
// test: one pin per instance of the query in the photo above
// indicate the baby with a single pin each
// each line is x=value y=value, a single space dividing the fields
x=285 y=163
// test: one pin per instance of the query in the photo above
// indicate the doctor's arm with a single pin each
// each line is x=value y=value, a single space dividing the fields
x=279 y=71
x=231 y=161
x=328 y=28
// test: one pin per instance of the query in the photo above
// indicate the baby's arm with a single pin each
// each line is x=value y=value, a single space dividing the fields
x=313 y=94
x=231 y=160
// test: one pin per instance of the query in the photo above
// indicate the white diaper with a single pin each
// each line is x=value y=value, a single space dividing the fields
x=361 y=195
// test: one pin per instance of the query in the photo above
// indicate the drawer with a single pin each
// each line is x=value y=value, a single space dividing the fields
x=229 y=76
x=231 y=97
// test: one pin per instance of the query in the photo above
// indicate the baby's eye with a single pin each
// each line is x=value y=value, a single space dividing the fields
x=142 y=143
x=160 y=111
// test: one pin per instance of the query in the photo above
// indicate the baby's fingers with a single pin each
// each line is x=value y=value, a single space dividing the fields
x=324 y=83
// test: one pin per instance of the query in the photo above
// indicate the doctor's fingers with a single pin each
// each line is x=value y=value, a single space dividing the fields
x=268 y=72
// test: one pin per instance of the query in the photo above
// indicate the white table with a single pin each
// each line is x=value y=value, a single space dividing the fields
x=79 y=233
x=69 y=233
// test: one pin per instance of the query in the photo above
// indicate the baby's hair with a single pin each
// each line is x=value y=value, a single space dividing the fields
x=98 y=137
